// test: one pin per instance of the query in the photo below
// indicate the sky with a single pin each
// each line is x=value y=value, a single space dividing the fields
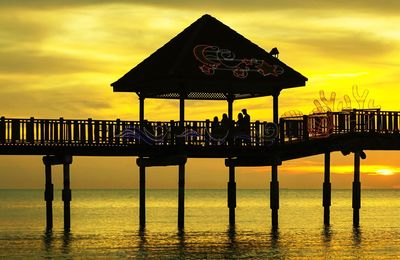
x=58 y=59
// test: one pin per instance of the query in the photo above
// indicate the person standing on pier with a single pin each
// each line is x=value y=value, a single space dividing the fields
x=225 y=126
x=246 y=125
x=215 y=130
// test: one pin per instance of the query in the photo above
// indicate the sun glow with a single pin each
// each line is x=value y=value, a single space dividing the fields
x=385 y=172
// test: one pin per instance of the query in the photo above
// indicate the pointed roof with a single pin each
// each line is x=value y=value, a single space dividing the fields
x=209 y=60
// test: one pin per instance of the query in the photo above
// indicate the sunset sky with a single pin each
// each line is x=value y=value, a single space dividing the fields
x=58 y=59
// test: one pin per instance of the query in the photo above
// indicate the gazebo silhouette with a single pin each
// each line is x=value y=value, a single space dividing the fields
x=208 y=61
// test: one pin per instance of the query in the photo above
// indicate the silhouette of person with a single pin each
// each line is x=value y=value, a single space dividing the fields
x=246 y=124
x=225 y=125
x=215 y=128
x=239 y=130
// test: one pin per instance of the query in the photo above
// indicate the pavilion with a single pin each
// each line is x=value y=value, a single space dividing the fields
x=209 y=61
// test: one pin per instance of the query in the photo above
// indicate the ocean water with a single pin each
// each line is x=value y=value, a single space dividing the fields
x=105 y=225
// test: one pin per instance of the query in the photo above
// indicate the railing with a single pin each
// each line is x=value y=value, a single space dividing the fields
x=333 y=123
x=89 y=132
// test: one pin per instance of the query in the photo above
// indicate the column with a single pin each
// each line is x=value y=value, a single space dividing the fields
x=142 y=197
x=48 y=196
x=66 y=197
x=356 y=190
x=231 y=195
x=181 y=197
x=274 y=196
x=326 y=194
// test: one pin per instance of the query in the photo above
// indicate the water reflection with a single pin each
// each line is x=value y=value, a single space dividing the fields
x=48 y=240
x=231 y=233
x=231 y=245
x=181 y=243
x=142 y=242
x=275 y=243
x=66 y=242
x=357 y=235
x=326 y=235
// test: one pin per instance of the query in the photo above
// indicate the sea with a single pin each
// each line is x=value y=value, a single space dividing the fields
x=105 y=226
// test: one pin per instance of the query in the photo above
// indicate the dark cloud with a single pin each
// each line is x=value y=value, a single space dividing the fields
x=388 y=6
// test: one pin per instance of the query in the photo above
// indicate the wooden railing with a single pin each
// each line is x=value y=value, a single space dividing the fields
x=15 y=131
x=324 y=125
x=89 y=132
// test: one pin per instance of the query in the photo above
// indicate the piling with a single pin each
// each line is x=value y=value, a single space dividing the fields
x=142 y=196
x=356 y=199
x=231 y=195
x=66 y=197
x=274 y=196
x=48 y=196
x=326 y=197
x=181 y=197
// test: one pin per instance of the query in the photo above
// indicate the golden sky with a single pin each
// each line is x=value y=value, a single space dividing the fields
x=58 y=58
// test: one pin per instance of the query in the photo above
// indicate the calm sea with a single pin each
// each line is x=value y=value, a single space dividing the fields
x=105 y=225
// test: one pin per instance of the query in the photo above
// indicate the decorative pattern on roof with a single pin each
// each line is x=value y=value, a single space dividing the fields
x=214 y=58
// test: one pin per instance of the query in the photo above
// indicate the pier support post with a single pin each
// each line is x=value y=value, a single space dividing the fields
x=274 y=196
x=48 y=196
x=326 y=194
x=66 y=197
x=231 y=195
x=142 y=197
x=356 y=199
x=181 y=197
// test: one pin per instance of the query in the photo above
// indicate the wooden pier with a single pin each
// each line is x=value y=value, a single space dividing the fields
x=59 y=140
x=207 y=61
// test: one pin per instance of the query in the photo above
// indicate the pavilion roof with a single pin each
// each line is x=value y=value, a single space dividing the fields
x=209 y=60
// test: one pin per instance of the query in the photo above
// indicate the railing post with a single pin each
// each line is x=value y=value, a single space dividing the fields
x=68 y=131
x=305 y=128
x=390 y=125
x=2 y=129
x=117 y=131
x=61 y=130
x=353 y=121
x=83 y=131
x=378 y=121
x=172 y=132
x=15 y=130
x=207 y=132
x=55 y=132
x=46 y=130
x=257 y=132
x=282 y=130
x=110 y=132
x=396 y=122
x=90 y=131
x=29 y=130
x=76 y=130
x=96 y=132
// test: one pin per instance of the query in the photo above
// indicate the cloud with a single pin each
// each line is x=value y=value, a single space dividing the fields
x=389 y=6
x=32 y=62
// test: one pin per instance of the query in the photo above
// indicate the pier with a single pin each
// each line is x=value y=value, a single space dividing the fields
x=207 y=61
